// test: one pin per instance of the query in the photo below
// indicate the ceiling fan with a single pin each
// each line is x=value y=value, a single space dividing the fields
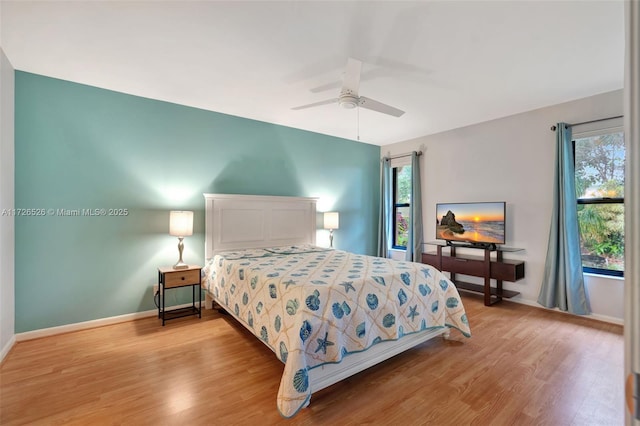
x=349 y=98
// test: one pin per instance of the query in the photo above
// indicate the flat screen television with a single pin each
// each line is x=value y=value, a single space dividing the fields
x=478 y=224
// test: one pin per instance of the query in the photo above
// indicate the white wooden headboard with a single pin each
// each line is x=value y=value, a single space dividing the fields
x=235 y=221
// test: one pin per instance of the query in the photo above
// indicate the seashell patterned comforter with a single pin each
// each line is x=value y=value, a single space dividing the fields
x=313 y=305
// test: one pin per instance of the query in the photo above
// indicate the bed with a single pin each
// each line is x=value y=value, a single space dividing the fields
x=326 y=314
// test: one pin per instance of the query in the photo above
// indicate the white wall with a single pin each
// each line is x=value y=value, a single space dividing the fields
x=512 y=159
x=7 y=229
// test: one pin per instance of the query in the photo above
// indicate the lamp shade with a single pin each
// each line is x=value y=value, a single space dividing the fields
x=180 y=223
x=331 y=220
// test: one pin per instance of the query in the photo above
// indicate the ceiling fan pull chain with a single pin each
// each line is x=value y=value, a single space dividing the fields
x=358 y=124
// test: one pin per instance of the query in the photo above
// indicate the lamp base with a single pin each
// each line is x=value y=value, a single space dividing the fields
x=180 y=265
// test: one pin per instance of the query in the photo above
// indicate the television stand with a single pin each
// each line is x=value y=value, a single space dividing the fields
x=497 y=269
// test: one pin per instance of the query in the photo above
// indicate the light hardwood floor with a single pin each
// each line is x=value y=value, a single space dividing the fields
x=522 y=366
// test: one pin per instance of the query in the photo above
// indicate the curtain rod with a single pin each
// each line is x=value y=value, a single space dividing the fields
x=553 y=128
x=404 y=155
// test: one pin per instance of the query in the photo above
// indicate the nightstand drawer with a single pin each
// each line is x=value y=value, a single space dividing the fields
x=181 y=278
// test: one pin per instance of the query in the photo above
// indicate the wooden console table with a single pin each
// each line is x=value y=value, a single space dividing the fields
x=498 y=269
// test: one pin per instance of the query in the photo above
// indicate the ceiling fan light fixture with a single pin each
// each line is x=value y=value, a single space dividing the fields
x=348 y=102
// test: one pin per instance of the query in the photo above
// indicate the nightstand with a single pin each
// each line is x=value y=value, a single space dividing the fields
x=169 y=278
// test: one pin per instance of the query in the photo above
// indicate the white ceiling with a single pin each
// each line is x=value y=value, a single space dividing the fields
x=447 y=64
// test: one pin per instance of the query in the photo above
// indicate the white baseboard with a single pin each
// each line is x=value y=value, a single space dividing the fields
x=603 y=318
x=7 y=348
x=52 y=331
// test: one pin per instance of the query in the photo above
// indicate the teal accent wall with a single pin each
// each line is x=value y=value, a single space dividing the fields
x=80 y=147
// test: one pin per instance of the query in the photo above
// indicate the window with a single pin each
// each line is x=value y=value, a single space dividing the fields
x=401 y=205
x=599 y=172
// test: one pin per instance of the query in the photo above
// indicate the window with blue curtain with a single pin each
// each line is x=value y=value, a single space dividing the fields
x=401 y=212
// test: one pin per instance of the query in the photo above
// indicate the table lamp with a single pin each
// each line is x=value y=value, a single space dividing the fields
x=180 y=225
x=331 y=222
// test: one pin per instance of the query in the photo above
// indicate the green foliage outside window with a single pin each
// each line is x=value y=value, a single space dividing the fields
x=402 y=226
x=599 y=171
x=402 y=202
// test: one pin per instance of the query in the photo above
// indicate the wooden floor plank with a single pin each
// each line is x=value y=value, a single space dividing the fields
x=521 y=366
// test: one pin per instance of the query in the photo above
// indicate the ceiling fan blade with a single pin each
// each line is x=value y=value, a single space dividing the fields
x=315 y=104
x=373 y=105
x=351 y=80
x=325 y=87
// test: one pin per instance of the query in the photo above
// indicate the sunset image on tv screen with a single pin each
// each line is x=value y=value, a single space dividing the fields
x=471 y=222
